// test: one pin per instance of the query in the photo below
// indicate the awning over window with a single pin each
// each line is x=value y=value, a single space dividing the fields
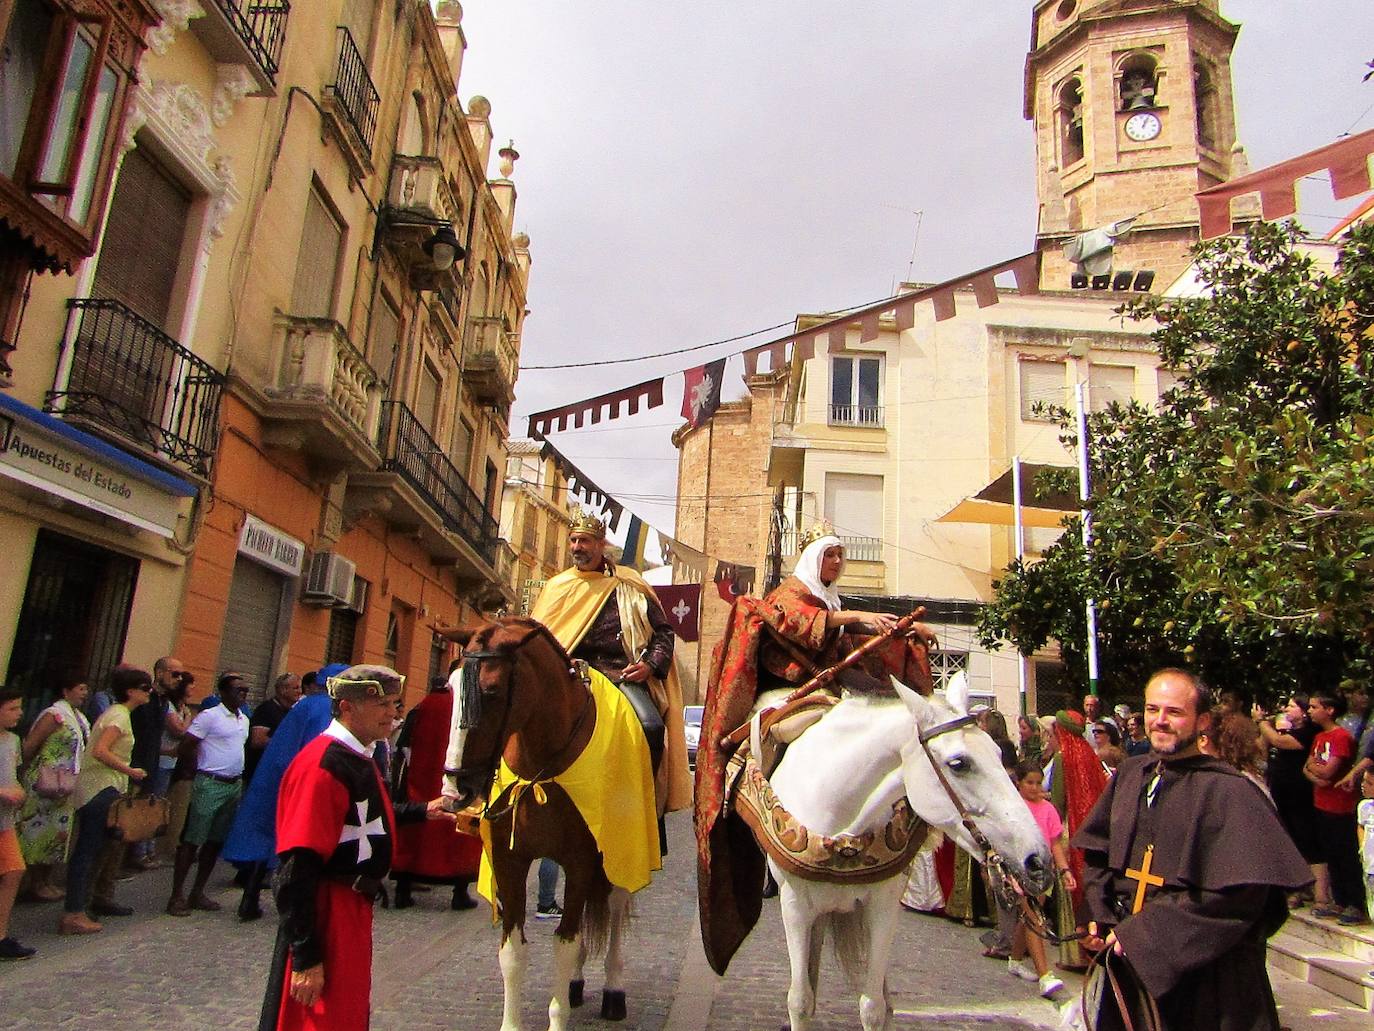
x=993 y=504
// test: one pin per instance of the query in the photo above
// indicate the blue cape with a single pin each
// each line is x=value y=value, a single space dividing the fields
x=253 y=837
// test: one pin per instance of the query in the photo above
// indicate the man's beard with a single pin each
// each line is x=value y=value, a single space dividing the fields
x=1181 y=744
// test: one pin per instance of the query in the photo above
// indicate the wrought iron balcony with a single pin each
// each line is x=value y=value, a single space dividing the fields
x=130 y=379
x=354 y=95
x=249 y=33
x=491 y=362
x=409 y=451
x=324 y=397
x=867 y=416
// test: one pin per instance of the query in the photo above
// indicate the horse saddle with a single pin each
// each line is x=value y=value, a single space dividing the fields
x=772 y=729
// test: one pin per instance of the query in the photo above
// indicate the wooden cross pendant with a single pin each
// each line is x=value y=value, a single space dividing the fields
x=1144 y=878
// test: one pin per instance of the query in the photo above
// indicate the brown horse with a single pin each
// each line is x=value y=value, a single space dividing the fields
x=518 y=698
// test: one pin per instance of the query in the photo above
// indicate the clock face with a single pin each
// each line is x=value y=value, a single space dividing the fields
x=1143 y=126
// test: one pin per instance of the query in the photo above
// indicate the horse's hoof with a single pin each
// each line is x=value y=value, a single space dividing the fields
x=612 y=1005
x=575 y=991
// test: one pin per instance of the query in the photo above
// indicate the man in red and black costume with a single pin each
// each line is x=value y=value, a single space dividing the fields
x=775 y=643
x=430 y=853
x=335 y=827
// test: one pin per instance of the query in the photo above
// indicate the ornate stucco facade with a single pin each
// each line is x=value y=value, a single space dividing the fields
x=274 y=330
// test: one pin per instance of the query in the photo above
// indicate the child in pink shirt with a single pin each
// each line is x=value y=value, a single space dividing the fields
x=1030 y=781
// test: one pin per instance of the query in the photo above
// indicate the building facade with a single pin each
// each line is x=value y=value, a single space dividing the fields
x=535 y=519
x=302 y=318
x=884 y=438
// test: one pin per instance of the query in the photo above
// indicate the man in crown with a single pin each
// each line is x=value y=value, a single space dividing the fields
x=608 y=616
x=798 y=630
x=335 y=827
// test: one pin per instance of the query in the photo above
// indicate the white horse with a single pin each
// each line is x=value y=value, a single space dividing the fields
x=843 y=776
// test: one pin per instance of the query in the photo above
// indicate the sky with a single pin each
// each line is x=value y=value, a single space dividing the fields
x=694 y=172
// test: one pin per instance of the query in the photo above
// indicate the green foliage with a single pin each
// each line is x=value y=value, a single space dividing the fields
x=1234 y=524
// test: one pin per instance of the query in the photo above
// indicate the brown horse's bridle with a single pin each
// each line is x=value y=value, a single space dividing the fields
x=1004 y=882
x=471 y=712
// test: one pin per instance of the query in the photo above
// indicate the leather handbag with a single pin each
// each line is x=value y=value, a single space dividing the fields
x=138 y=818
x=55 y=782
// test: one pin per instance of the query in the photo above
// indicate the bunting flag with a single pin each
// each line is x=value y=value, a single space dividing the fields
x=688 y=564
x=732 y=580
x=1346 y=161
x=682 y=605
x=593 y=408
x=807 y=342
x=701 y=392
x=579 y=483
x=636 y=539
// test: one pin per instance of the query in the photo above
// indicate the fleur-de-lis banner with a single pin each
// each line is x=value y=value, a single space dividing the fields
x=682 y=605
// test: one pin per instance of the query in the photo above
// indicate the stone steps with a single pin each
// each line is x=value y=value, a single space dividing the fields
x=1337 y=959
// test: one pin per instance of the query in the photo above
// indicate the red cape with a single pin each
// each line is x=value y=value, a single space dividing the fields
x=432 y=851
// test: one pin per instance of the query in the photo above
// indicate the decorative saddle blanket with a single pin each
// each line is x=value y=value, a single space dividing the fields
x=855 y=858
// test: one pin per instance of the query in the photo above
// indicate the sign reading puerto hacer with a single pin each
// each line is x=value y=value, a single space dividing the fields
x=271 y=547
x=44 y=458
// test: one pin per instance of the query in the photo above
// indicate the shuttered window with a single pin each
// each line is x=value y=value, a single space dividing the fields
x=343 y=628
x=1110 y=384
x=386 y=331
x=1042 y=382
x=427 y=398
x=317 y=262
x=250 y=625
x=144 y=234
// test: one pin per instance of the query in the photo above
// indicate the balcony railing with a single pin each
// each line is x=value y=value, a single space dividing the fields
x=856 y=549
x=409 y=451
x=869 y=416
x=419 y=186
x=129 y=377
x=318 y=363
x=261 y=26
x=353 y=90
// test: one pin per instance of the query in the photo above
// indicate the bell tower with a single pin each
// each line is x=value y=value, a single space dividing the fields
x=1134 y=113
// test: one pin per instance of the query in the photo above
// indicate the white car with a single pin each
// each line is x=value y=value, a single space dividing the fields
x=691 y=716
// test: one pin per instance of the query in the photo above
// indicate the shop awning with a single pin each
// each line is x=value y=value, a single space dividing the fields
x=992 y=505
x=54 y=457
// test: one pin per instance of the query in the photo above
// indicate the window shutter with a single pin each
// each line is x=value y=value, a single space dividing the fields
x=1041 y=382
x=1110 y=384
x=317 y=264
x=144 y=234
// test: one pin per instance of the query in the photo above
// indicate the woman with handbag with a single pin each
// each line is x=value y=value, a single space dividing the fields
x=104 y=777
x=52 y=757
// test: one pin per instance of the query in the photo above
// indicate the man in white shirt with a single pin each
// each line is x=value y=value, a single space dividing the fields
x=214 y=742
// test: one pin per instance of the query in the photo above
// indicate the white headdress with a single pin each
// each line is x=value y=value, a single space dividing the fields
x=808 y=571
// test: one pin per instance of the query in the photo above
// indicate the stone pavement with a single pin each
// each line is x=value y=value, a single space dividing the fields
x=434 y=969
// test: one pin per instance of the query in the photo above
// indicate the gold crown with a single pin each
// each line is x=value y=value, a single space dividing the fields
x=815 y=533
x=585 y=522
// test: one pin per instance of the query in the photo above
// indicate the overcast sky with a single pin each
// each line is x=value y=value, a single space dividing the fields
x=691 y=172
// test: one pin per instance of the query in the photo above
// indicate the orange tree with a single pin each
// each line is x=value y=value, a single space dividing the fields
x=1233 y=523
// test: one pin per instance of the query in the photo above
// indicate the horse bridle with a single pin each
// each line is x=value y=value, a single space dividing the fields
x=470 y=712
x=998 y=871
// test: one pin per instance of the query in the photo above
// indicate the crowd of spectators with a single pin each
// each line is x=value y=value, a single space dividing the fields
x=1313 y=760
x=137 y=736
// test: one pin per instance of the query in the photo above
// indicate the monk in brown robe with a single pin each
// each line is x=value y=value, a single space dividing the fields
x=799 y=629
x=1187 y=872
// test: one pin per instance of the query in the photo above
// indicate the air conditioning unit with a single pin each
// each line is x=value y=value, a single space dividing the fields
x=329 y=581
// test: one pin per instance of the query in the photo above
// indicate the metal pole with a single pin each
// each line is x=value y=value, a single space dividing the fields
x=1084 y=490
x=1020 y=533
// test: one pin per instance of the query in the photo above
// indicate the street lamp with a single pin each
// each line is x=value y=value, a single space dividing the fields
x=443 y=248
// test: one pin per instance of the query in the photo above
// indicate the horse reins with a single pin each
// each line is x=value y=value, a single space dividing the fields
x=471 y=711
x=997 y=866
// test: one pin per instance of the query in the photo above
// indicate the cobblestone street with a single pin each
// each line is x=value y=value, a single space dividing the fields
x=435 y=969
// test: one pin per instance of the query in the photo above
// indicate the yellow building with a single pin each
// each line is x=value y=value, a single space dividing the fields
x=884 y=436
x=275 y=326
x=534 y=519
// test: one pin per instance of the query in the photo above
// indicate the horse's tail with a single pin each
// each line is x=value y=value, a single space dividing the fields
x=848 y=934
x=596 y=917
